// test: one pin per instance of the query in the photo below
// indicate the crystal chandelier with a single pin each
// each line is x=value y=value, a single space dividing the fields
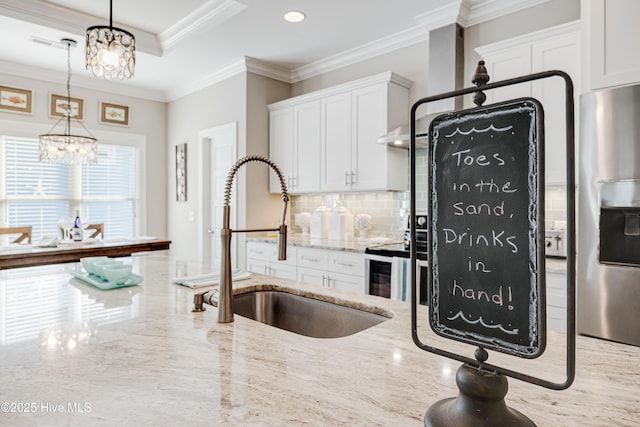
x=64 y=147
x=110 y=52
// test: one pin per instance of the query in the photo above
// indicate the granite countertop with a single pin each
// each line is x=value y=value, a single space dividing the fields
x=74 y=355
x=553 y=265
x=354 y=245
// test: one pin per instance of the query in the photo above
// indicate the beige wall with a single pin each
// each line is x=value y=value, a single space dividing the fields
x=409 y=62
x=242 y=98
x=147 y=121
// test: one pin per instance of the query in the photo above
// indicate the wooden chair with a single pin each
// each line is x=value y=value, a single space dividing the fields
x=25 y=233
x=98 y=230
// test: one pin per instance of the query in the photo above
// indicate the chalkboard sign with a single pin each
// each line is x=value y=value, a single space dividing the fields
x=487 y=281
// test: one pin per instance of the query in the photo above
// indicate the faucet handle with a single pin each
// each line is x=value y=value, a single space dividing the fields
x=282 y=242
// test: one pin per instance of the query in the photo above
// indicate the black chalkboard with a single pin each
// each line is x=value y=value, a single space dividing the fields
x=486 y=251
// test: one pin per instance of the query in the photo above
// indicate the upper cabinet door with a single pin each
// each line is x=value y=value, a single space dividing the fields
x=281 y=146
x=612 y=45
x=335 y=141
x=558 y=49
x=558 y=53
x=306 y=129
x=376 y=166
x=506 y=64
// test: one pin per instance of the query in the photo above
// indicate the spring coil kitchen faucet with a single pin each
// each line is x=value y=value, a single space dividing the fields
x=225 y=299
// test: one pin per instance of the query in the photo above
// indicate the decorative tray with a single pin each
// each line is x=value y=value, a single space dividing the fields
x=104 y=284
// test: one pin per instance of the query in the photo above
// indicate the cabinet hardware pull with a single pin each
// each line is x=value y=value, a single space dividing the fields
x=344 y=264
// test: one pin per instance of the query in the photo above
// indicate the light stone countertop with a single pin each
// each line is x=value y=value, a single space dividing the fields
x=354 y=245
x=553 y=265
x=152 y=361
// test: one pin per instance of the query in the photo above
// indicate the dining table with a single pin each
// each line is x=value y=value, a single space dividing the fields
x=55 y=252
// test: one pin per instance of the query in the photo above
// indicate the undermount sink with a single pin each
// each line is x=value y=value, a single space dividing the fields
x=304 y=315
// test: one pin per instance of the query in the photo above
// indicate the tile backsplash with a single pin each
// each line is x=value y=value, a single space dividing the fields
x=388 y=209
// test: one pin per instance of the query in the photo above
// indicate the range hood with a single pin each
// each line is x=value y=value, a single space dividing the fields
x=401 y=136
x=445 y=73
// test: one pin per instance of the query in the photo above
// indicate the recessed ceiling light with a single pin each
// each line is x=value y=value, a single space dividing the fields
x=294 y=16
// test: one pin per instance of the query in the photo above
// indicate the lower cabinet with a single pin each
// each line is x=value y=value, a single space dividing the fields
x=322 y=267
x=331 y=268
x=557 y=302
x=262 y=258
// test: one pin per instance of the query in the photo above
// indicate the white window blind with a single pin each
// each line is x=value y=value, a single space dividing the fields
x=109 y=190
x=42 y=194
x=38 y=194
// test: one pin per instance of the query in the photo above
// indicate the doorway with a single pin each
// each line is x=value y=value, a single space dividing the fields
x=217 y=150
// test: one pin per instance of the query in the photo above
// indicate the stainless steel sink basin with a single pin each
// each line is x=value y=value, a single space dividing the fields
x=304 y=315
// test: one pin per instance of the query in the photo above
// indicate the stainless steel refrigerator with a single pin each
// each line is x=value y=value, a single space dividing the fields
x=608 y=252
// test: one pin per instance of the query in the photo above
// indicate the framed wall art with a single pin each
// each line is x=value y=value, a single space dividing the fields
x=16 y=100
x=114 y=114
x=181 y=172
x=58 y=106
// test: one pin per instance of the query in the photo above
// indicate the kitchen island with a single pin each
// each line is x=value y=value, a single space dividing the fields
x=74 y=355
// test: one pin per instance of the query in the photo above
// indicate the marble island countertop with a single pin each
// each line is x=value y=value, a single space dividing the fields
x=74 y=355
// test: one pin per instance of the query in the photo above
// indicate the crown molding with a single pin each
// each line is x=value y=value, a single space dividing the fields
x=491 y=9
x=384 y=77
x=266 y=69
x=405 y=38
x=51 y=76
x=440 y=17
x=462 y=12
x=209 y=15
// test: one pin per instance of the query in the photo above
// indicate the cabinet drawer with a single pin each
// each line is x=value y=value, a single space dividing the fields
x=259 y=250
x=313 y=258
x=346 y=263
x=556 y=290
x=347 y=282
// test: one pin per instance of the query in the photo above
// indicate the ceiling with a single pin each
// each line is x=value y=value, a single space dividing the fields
x=185 y=45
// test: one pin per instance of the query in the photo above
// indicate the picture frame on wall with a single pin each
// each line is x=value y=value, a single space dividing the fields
x=58 y=106
x=16 y=100
x=181 y=172
x=114 y=114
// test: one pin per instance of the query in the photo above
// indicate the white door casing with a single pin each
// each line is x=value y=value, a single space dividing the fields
x=217 y=152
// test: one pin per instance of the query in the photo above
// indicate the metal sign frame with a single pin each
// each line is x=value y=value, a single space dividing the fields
x=480 y=361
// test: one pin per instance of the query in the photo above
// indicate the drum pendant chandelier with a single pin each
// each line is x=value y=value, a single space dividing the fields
x=110 y=52
x=64 y=147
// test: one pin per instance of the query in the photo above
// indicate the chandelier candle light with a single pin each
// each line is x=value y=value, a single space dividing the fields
x=64 y=147
x=110 y=52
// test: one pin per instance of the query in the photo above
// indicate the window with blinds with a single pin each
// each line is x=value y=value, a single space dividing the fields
x=109 y=190
x=44 y=194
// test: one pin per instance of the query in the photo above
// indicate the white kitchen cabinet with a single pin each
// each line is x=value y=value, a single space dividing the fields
x=612 y=45
x=262 y=258
x=294 y=136
x=556 y=49
x=351 y=123
x=336 y=172
x=327 y=140
x=332 y=268
x=557 y=302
